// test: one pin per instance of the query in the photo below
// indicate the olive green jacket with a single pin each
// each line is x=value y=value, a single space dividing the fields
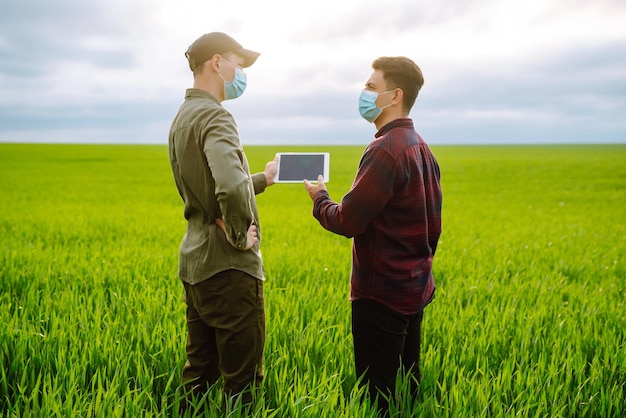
x=213 y=178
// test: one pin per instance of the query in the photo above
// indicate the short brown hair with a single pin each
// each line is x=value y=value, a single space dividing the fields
x=402 y=73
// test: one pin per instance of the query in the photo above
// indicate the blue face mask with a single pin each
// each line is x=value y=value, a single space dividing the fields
x=235 y=88
x=367 y=105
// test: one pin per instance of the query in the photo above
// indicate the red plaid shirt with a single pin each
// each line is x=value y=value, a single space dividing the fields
x=393 y=211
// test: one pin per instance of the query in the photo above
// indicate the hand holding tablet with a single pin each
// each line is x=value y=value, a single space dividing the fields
x=294 y=167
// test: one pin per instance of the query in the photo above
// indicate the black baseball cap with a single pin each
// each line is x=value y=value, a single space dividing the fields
x=213 y=43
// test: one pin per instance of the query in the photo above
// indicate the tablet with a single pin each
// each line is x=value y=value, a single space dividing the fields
x=294 y=167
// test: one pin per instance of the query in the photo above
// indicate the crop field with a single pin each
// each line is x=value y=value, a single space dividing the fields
x=529 y=317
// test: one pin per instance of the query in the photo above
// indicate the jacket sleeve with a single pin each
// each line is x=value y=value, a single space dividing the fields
x=233 y=185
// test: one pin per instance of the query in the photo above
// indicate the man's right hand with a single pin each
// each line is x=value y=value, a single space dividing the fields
x=271 y=168
x=314 y=188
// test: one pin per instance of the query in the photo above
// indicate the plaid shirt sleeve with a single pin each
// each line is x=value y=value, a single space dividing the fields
x=372 y=189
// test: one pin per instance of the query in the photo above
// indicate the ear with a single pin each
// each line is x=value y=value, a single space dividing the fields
x=214 y=63
x=398 y=95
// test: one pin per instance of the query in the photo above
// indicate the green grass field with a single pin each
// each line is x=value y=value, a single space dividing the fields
x=529 y=317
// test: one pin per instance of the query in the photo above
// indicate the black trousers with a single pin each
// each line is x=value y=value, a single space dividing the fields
x=384 y=341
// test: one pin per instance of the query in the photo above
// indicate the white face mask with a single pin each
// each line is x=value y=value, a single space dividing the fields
x=235 y=88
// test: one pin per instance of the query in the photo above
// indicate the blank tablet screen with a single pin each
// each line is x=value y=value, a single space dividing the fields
x=296 y=166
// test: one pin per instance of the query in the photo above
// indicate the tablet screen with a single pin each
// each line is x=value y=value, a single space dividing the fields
x=294 y=167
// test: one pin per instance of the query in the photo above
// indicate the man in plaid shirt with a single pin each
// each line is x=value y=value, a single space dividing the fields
x=393 y=212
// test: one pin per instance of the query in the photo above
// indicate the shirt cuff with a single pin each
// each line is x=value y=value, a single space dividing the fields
x=259 y=182
x=321 y=195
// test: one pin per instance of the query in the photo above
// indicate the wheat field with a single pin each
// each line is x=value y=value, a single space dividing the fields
x=529 y=317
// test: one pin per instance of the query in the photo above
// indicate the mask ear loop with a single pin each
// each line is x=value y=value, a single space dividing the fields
x=219 y=73
x=384 y=92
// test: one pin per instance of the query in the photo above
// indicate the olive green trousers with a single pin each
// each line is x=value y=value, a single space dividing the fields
x=226 y=334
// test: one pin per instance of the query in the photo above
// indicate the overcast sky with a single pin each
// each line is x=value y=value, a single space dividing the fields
x=496 y=71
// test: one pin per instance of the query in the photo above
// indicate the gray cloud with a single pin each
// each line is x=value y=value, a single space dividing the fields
x=36 y=34
x=568 y=92
x=579 y=81
x=384 y=19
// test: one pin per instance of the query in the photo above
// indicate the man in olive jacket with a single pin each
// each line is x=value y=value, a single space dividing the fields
x=220 y=261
